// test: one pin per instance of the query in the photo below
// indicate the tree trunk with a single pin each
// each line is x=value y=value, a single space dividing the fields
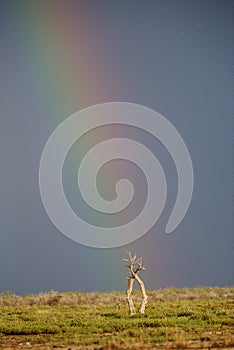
x=143 y=293
x=129 y=296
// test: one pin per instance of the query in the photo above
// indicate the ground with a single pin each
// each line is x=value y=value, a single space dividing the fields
x=200 y=318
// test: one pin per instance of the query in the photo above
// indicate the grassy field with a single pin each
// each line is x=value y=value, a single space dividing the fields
x=175 y=319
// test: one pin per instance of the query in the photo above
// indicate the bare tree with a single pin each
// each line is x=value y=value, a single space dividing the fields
x=135 y=265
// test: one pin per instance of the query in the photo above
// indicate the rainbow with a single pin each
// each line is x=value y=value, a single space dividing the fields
x=70 y=60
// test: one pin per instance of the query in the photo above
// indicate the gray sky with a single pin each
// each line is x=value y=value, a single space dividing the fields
x=172 y=56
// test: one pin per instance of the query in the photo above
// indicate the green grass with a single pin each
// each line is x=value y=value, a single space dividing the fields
x=79 y=319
